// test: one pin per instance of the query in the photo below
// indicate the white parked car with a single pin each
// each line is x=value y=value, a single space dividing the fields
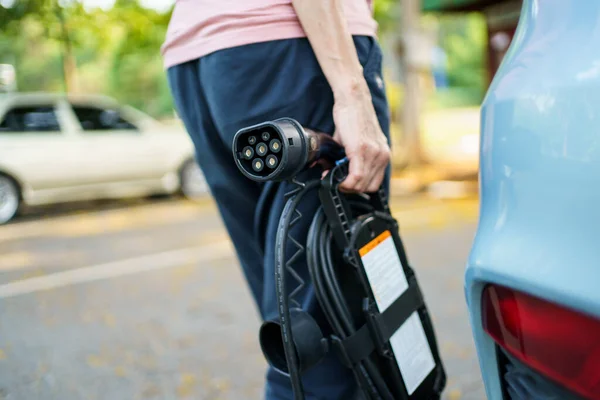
x=59 y=148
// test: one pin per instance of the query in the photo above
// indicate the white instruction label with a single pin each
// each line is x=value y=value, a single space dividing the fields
x=388 y=281
x=412 y=352
x=384 y=270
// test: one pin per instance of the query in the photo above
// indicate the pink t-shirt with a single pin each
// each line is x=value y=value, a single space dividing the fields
x=200 y=27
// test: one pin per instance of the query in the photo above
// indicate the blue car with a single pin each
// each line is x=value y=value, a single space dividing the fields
x=533 y=277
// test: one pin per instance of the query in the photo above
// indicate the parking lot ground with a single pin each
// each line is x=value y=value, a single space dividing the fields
x=145 y=300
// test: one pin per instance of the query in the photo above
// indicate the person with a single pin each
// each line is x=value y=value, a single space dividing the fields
x=235 y=63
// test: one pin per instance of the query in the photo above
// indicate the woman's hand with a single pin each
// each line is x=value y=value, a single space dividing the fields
x=358 y=131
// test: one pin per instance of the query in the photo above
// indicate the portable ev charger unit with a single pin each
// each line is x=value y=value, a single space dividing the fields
x=358 y=267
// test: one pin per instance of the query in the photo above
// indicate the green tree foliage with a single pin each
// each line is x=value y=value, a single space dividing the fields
x=135 y=64
x=464 y=40
x=117 y=51
x=42 y=71
x=387 y=14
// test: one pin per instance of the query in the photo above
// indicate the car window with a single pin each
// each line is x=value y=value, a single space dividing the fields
x=101 y=119
x=30 y=119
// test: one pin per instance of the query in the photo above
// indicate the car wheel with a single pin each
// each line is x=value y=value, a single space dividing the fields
x=9 y=199
x=193 y=182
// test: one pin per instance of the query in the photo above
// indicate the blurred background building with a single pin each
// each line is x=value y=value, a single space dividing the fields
x=471 y=38
x=501 y=17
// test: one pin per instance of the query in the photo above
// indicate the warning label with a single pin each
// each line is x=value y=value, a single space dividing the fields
x=388 y=281
x=384 y=270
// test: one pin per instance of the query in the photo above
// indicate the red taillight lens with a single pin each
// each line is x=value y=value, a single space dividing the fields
x=560 y=343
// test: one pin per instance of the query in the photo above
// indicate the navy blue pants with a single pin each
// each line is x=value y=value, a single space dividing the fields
x=224 y=91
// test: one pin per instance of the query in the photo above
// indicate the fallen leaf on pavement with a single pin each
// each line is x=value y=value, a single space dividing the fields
x=94 y=360
x=186 y=387
x=120 y=371
x=455 y=394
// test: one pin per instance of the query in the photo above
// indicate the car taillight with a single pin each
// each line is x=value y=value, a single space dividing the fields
x=562 y=344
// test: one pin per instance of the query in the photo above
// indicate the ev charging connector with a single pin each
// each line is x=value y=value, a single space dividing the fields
x=279 y=150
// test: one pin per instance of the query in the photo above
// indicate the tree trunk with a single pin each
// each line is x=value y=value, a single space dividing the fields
x=68 y=58
x=411 y=111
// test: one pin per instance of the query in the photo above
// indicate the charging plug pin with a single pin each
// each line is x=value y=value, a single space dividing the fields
x=272 y=161
x=248 y=152
x=275 y=146
x=258 y=165
x=261 y=149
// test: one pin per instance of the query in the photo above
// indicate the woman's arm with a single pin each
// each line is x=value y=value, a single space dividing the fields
x=357 y=127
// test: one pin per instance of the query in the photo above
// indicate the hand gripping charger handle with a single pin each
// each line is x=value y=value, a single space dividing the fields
x=362 y=333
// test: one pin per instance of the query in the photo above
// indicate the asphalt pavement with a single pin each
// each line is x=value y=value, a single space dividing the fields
x=145 y=300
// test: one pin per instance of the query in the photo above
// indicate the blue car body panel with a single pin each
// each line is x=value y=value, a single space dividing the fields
x=539 y=227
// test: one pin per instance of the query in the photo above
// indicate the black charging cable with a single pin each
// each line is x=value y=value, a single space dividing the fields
x=320 y=250
x=321 y=265
x=290 y=217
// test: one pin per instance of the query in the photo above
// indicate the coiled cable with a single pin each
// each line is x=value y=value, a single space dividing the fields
x=321 y=265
